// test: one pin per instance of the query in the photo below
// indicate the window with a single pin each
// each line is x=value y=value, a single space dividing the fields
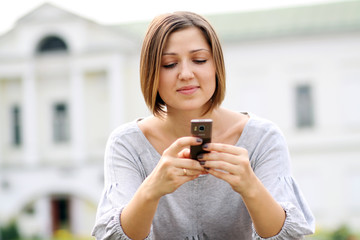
x=16 y=125
x=51 y=44
x=60 y=123
x=304 y=107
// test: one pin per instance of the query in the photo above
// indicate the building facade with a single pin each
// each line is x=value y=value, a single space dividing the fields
x=66 y=82
x=62 y=90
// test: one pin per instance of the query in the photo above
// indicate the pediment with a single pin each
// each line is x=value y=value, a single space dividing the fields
x=48 y=12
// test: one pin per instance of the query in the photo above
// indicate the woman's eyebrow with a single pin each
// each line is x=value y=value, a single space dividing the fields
x=199 y=50
x=192 y=51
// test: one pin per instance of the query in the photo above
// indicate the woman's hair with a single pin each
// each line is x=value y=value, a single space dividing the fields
x=151 y=53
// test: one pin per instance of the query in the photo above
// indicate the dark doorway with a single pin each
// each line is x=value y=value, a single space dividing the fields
x=60 y=211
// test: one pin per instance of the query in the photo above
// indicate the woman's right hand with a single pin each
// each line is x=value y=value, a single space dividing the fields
x=174 y=168
x=167 y=176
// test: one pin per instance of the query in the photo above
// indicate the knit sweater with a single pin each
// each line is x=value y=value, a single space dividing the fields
x=207 y=207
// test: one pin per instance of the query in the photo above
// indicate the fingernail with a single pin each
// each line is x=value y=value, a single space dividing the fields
x=199 y=140
x=202 y=163
x=205 y=145
x=200 y=156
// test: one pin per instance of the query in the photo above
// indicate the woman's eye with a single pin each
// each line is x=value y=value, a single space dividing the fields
x=171 y=65
x=200 y=61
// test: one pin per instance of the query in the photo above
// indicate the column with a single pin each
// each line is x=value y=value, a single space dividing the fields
x=44 y=217
x=2 y=127
x=116 y=90
x=77 y=114
x=29 y=115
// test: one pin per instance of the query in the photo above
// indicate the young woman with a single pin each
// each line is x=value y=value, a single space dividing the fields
x=241 y=189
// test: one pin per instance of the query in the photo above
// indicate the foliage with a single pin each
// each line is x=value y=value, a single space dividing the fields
x=341 y=233
x=10 y=232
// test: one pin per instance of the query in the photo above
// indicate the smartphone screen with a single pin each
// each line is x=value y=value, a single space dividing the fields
x=201 y=128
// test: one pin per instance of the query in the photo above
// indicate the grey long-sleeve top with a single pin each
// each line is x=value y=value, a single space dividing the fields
x=207 y=207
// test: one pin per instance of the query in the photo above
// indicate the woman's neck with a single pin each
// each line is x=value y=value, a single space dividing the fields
x=178 y=124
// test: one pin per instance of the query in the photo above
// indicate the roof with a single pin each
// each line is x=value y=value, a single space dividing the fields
x=334 y=17
x=49 y=12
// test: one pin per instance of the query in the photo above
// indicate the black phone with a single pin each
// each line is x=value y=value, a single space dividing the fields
x=201 y=128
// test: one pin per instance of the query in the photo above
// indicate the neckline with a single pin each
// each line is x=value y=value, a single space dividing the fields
x=144 y=138
x=151 y=147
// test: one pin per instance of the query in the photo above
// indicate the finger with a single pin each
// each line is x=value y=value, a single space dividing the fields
x=180 y=144
x=185 y=153
x=225 y=157
x=229 y=178
x=227 y=148
x=188 y=163
x=221 y=165
x=190 y=172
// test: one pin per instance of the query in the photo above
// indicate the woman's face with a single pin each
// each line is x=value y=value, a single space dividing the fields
x=187 y=74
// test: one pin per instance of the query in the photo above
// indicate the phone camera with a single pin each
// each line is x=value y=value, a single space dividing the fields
x=201 y=128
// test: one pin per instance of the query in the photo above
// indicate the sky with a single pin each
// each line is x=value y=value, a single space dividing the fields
x=118 y=11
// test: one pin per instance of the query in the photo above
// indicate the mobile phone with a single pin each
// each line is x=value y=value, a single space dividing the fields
x=201 y=128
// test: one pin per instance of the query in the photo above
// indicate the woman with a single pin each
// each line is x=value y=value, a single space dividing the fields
x=241 y=189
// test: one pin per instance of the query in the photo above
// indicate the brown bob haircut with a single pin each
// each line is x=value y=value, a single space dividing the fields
x=152 y=49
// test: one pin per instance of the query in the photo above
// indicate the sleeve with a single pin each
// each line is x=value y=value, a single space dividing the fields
x=271 y=163
x=123 y=176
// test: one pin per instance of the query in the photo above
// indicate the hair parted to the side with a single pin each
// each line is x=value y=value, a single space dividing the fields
x=152 y=49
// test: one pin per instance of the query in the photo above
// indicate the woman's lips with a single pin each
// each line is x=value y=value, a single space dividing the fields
x=188 y=90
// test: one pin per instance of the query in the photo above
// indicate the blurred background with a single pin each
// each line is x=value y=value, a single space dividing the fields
x=69 y=76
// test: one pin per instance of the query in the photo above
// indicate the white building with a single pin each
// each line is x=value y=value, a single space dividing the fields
x=300 y=67
x=62 y=90
x=66 y=82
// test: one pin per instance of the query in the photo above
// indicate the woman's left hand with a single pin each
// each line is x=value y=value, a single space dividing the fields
x=231 y=164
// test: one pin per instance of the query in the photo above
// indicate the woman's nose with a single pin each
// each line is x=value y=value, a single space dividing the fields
x=186 y=72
